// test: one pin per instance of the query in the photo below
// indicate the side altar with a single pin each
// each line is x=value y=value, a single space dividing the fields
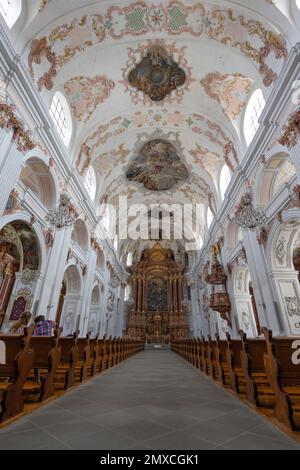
x=158 y=314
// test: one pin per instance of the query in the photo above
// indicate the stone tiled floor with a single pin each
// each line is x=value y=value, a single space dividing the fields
x=153 y=401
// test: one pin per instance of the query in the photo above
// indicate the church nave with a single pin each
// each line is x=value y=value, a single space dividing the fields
x=154 y=401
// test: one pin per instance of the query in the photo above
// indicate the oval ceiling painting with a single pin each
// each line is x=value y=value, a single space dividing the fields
x=157 y=166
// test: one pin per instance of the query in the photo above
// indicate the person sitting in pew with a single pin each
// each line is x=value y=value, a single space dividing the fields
x=42 y=327
x=18 y=328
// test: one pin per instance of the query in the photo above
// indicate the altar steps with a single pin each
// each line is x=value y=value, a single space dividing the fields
x=157 y=347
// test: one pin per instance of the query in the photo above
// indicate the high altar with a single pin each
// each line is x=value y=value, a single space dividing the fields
x=158 y=314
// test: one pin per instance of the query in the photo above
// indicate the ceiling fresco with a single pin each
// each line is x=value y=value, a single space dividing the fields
x=157 y=166
x=157 y=75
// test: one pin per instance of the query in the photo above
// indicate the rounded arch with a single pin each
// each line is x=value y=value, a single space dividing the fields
x=96 y=295
x=246 y=310
x=92 y=327
x=37 y=176
x=35 y=227
x=274 y=173
x=282 y=240
x=80 y=235
x=20 y=269
x=72 y=279
x=71 y=309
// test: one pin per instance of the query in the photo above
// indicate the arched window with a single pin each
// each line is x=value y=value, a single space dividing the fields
x=61 y=116
x=106 y=219
x=90 y=183
x=4 y=7
x=116 y=243
x=225 y=178
x=209 y=217
x=129 y=259
x=200 y=242
x=10 y=10
x=127 y=293
x=253 y=112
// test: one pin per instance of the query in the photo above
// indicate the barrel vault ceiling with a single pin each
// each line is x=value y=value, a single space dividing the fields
x=87 y=49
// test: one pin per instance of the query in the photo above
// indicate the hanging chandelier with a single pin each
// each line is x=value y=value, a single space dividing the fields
x=247 y=217
x=64 y=215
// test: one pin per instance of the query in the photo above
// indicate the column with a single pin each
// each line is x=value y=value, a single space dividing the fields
x=87 y=292
x=54 y=273
x=263 y=291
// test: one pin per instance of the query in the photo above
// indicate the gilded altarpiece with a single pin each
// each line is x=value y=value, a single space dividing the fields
x=158 y=314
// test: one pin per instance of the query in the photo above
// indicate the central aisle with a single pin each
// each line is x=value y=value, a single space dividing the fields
x=155 y=400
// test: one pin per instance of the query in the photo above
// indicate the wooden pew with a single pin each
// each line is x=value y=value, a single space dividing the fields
x=100 y=358
x=82 y=358
x=65 y=374
x=13 y=374
x=212 y=360
x=106 y=350
x=237 y=381
x=284 y=377
x=47 y=352
x=222 y=369
x=194 y=352
x=118 y=351
x=258 y=389
x=113 y=352
x=205 y=358
x=202 y=358
x=198 y=353
x=110 y=359
x=122 y=352
x=92 y=362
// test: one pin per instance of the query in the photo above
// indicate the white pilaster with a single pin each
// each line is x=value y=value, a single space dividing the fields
x=262 y=285
x=55 y=273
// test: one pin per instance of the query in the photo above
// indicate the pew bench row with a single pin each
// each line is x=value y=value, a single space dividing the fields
x=263 y=371
x=36 y=367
